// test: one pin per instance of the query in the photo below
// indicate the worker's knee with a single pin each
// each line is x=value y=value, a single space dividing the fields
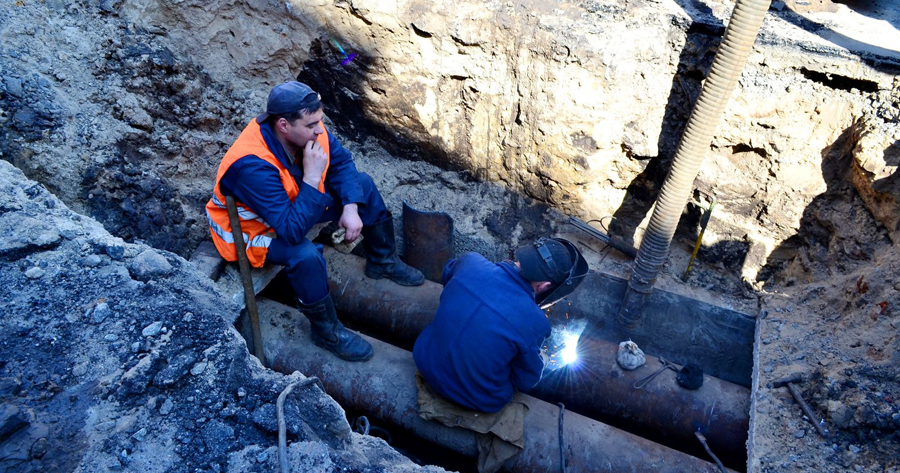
x=306 y=257
x=308 y=254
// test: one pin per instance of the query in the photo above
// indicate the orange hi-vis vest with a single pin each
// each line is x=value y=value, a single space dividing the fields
x=257 y=232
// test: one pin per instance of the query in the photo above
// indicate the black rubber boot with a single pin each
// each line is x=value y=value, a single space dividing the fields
x=382 y=260
x=328 y=332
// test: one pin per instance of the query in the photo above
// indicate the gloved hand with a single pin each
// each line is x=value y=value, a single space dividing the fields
x=545 y=357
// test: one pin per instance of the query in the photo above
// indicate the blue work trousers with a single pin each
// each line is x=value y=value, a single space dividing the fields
x=305 y=264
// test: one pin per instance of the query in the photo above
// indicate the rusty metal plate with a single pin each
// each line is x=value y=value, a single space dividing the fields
x=428 y=241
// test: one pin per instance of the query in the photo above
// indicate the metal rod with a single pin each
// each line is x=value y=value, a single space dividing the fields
x=704 y=221
x=246 y=279
x=807 y=410
x=384 y=389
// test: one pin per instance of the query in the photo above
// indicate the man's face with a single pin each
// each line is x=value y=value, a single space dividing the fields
x=305 y=129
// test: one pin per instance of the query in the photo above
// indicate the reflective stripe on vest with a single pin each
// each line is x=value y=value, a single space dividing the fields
x=257 y=233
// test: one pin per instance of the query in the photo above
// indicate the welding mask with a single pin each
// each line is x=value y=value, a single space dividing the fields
x=556 y=260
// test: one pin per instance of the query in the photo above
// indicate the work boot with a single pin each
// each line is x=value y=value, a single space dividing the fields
x=328 y=332
x=382 y=260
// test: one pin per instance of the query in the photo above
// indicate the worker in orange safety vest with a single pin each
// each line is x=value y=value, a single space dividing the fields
x=287 y=173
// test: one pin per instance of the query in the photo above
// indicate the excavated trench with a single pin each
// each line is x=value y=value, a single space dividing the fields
x=807 y=203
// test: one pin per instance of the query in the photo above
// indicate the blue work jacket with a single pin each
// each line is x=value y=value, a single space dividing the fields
x=257 y=184
x=486 y=336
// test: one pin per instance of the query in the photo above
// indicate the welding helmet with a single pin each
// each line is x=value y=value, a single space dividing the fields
x=556 y=260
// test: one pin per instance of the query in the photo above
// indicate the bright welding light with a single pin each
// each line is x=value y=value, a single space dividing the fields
x=569 y=355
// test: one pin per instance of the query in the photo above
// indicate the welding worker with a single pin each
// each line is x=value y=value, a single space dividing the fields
x=485 y=340
x=287 y=173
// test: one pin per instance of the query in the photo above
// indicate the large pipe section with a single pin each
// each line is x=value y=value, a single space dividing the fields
x=662 y=411
x=384 y=388
x=743 y=28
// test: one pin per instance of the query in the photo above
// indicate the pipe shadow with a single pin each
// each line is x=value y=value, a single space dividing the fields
x=704 y=34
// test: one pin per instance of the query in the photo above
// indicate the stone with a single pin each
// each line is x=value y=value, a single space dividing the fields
x=217 y=433
x=13 y=86
x=152 y=330
x=101 y=312
x=136 y=379
x=26 y=235
x=111 y=337
x=140 y=434
x=166 y=407
x=12 y=419
x=40 y=448
x=176 y=369
x=92 y=261
x=109 y=6
x=199 y=368
x=841 y=415
x=35 y=273
x=116 y=252
x=10 y=387
x=149 y=265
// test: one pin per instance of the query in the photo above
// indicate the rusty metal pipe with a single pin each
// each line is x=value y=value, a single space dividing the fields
x=662 y=411
x=384 y=388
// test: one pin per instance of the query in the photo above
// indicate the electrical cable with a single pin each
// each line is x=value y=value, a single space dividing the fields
x=562 y=439
x=702 y=440
x=282 y=426
x=362 y=425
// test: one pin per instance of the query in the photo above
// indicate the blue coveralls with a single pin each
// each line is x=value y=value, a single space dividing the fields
x=257 y=184
x=486 y=336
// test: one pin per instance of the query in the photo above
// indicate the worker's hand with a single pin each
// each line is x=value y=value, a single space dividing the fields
x=314 y=162
x=351 y=223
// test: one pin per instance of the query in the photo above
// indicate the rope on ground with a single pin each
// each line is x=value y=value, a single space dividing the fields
x=562 y=439
x=282 y=426
x=702 y=440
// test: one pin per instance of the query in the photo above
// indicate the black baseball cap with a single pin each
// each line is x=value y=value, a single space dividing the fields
x=286 y=98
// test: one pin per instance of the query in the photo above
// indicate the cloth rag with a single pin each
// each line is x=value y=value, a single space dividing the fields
x=500 y=435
